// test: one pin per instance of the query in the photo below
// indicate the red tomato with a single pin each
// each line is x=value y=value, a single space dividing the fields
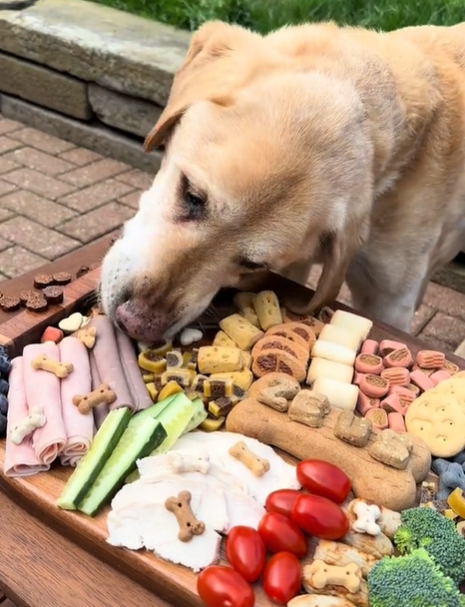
x=322 y=478
x=282 y=577
x=246 y=552
x=282 y=501
x=320 y=517
x=220 y=586
x=280 y=534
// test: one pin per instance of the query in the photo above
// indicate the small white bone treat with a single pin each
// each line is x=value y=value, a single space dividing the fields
x=334 y=352
x=35 y=419
x=318 y=600
x=352 y=322
x=72 y=323
x=188 y=462
x=320 y=367
x=339 y=394
x=367 y=515
x=339 y=335
x=190 y=336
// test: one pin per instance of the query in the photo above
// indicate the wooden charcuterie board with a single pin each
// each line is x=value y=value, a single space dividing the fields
x=37 y=494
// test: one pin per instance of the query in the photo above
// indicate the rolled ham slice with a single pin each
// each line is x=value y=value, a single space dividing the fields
x=20 y=460
x=109 y=365
x=127 y=354
x=43 y=390
x=100 y=411
x=79 y=427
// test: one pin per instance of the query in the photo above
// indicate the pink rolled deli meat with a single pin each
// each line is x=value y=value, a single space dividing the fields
x=79 y=427
x=102 y=410
x=127 y=354
x=43 y=391
x=20 y=460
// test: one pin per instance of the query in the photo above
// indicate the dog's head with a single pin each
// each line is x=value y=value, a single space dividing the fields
x=263 y=159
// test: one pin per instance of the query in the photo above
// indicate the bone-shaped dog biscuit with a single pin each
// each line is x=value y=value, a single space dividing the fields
x=180 y=462
x=189 y=525
x=258 y=465
x=367 y=515
x=88 y=337
x=86 y=402
x=279 y=393
x=35 y=419
x=349 y=576
x=42 y=362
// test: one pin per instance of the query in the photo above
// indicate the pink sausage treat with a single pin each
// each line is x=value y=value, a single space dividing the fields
x=392 y=403
x=430 y=359
x=406 y=396
x=365 y=403
x=427 y=372
x=413 y=388
x=369 y=346
x=20 y=460
x=43 y=391
x=421 y=380
x=79 y=427
x=369 y=363
x=139 y=392
x=374 y=385
x=101 y=411
x=402 y=357
x=396 y=422
x=388 y=345
x=358 y=378
x=396 y=376
x=438 y=376
x=378 y=418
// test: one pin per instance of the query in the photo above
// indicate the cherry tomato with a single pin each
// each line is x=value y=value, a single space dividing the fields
x=220 y=586
x=320 y=517
x=322 y=478
x=282 y=577
x=282 y=501
x=280 y=534
x=246 y=552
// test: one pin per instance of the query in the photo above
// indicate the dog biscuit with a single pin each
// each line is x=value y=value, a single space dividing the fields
x=218 y=359
x=222 y=340
x=389 y=449
x=180 y=506
x=402 y=357
x=333 y=352
x=378 y=418
x=268 y=310
x=396 y=376
x=339 y=335
x=421 y=380
x=452 y=368
x=310 y=321
x=310 y=408
x=284 y=331
x=439 y=376
x=369 y=363
x=393 y=403
x=348 y=576
x=365 y=403
x=352 y=429
x=277 y=342
x=358 y=378
x=304 y=331
x=244 y=303
x=339 y=394
x=369 y=346
x=406 y=396
x=352 y=322
x=35 y=419
x=278 y=396
x=183 y=377
x=86 y=402
x=246 y=359
x=366 y=516
x=430 y=359
x=374 y=385
x=43 y=363
x=386 y=346
x=396 y=421
x=241 y=331
x=278 y=360
x=243 y=379
x=257 y=465
x=320 y=367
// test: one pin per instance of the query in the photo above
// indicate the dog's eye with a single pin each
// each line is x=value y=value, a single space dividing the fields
x=193 y=201
x=253 y=266
x=195 y=204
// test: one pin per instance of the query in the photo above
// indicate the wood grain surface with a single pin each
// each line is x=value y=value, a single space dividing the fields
x=62 y=557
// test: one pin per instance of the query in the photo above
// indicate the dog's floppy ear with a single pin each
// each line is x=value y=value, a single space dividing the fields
x=200 y=77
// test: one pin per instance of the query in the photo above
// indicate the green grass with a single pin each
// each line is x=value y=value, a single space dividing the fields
x=266 y=15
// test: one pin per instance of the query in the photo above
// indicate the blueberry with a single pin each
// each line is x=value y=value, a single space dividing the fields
x=3 y=404
x=2 y=426
x=4 y=362
x=4 y=386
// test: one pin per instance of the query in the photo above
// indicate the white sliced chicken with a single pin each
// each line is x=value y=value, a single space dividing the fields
x=281 y=475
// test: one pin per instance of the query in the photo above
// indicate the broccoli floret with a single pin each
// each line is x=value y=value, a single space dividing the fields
x=423 y=527
x=413 y=580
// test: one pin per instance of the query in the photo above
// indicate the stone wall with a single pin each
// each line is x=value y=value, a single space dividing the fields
x=87 y=73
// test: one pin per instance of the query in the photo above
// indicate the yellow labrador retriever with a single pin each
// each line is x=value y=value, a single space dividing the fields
x=312 y=144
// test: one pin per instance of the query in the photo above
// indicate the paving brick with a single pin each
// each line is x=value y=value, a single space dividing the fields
x=7 y=144
x=30 y=235
x=16 y=261
x=6 y=125
x=42 y=141
x=43 y=185
x=460 y=351
x=131 y=200
x=446 y=329
x=81 y=156
x=422 y=316
x=95 y=172
x=445 y=299
x=139 y=179
x=5 y=187
x=90 y=226
x=4 y=213
x=38 y=161
x=37 y=208
x=6 y=166
x=95 y=195
x=4 y=244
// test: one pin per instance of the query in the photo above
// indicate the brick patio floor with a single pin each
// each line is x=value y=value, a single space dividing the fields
x=56 y=197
